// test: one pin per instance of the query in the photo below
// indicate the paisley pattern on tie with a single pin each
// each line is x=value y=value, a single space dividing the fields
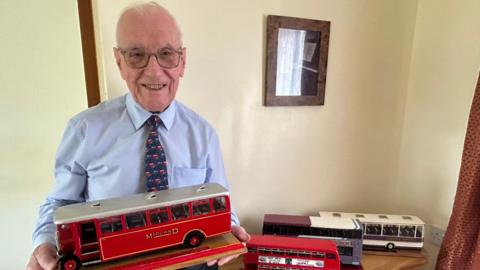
x=155 y=160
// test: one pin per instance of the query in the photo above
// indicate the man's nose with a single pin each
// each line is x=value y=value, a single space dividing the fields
x=153 y=67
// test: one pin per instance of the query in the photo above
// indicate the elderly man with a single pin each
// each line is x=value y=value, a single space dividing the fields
x=104 y=152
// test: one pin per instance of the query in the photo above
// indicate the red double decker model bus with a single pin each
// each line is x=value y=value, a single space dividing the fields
x=280 y=252
x=105 y=230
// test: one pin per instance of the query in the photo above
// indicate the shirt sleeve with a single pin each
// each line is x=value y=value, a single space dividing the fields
x=69 y=185
x=216 y=170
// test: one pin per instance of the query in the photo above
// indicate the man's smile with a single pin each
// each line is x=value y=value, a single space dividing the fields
x=154 y=87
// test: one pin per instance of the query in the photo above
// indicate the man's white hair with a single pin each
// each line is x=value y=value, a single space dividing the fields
x=144 y=8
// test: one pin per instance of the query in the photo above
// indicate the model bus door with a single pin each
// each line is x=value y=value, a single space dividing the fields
x=88 y=241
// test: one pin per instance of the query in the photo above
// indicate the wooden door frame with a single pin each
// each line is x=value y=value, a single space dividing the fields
x=87 y=31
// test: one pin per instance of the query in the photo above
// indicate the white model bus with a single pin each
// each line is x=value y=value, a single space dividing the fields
x=388 y=231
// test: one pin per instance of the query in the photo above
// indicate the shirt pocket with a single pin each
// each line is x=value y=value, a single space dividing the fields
x=183 y=176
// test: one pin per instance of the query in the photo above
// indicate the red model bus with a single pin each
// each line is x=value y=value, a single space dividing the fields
x=280 y=252
x=346 y=232
x=104 y=230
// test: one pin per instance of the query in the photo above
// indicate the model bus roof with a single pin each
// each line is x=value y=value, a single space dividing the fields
x=311 y=221
x=137 y=202
x=285 y=242
x=292 y=220
x=343 y=223
x=375 y=218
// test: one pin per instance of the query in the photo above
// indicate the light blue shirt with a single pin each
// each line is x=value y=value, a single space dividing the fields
x=102 y=155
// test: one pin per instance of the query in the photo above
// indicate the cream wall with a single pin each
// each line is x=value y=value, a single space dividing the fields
x=444 y=70
x=42 y=85
x=341 y=156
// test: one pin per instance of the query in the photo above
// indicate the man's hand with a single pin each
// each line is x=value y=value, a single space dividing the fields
x=242 y=235
x=43 y=257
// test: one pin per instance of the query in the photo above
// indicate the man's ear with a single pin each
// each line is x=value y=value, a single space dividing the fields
x=118 y=60
x=184 y=61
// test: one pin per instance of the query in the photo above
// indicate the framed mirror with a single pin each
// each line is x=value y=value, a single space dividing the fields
x=297 y=54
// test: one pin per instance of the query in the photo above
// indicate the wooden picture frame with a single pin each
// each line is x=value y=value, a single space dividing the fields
x=297 y=54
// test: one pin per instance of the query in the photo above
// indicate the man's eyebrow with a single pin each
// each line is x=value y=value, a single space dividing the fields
x=168 y=45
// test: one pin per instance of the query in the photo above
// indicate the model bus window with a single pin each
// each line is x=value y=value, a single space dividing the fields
x=180 y=211
x=407 y=230
x=263 y=251
x=347 y=251
x=219 y=204
x=419 y=231
x=88 y=233
x=331 y=256
x=159 y=215
x=303 y=254
x=293 y=230
x=322 y=231
x=375 y=229
x=278 y=252
x=112 y=224
x=319 y=255
x=292 y=253
x=391 y=230
x=201 y=207
x=360 y=216
x=135 y=220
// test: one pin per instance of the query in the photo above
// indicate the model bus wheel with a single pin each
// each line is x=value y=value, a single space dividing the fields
x=70 y=262
x=390 y=246
x=193 y=239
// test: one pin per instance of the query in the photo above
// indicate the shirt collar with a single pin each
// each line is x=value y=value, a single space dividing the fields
x=139 y=115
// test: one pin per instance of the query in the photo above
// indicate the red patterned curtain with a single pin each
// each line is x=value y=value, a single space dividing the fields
x=461 y=245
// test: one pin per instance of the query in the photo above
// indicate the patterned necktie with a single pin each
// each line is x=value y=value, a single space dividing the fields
x=155 y=161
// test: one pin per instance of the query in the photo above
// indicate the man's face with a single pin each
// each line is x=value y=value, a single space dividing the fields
x=153 y=87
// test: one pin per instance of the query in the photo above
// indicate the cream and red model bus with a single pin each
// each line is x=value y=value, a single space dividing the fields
x=105 y=230
x=280 y=252
x=387 y=231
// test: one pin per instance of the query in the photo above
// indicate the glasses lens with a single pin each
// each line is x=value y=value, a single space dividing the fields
x=136 y=58
x=168 y=58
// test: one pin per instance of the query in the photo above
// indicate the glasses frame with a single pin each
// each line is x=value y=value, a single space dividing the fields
x=179 y=52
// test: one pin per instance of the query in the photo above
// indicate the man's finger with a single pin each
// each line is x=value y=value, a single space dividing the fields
x=240 y=233
x=210 y=263
x=33 y=264
x=225 y=260
x=46 y=256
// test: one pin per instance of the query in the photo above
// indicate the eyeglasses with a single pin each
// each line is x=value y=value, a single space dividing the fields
x=138 y=58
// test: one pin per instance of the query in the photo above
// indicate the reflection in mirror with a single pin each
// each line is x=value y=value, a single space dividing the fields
x=297 y=55
x=297 y=62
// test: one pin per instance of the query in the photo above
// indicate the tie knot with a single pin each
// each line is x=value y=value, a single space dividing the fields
x=154 y=121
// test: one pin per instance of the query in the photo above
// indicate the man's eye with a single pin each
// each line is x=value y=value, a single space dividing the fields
x=136 y=54
x=166 y=53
